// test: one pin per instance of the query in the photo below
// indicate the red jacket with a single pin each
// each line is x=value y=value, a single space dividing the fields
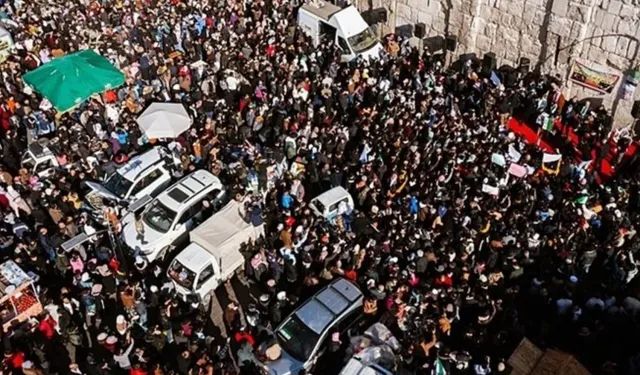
x=47 y=327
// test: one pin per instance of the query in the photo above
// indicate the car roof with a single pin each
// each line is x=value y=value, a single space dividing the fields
x=140 y=163
x=322 y=9
x=332 y=196
x=38 y=151
x=194 y=257
x=192 y=186
x=356 y=367
x=328 y=305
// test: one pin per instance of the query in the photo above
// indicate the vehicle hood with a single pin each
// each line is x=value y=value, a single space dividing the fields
x=152 y=239
x=285 y=365
x=101 y=190
x=373 y=52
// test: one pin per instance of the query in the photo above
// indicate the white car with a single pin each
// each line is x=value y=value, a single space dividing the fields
x=145 y=174
x=169 y=218
x=303 y=336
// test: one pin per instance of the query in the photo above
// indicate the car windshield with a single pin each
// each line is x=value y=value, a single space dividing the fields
x=182 y=275
x=297 y=339
x=118 y=185
x=363 y=41
x=159 y=217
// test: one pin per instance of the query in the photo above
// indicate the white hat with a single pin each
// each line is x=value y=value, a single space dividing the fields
x=102 y=336
x=27 y=364
x=281 y=296
x=153 y=289
x=120 y=319
x=85 y=277
x=111 y=340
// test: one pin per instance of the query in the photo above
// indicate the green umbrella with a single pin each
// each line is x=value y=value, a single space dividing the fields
x=72 y=79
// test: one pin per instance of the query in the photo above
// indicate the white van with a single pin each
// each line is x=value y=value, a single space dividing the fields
x=145 y=174
x=344 y=26
x=332 y=203
x=213 y=256
x=169 y=218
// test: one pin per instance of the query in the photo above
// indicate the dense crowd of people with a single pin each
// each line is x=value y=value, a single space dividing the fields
x=461 y=238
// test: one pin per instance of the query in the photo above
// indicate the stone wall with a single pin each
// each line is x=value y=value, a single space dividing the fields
x=553 y=34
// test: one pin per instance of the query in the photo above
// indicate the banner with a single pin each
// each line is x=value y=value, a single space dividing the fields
x=598 y=80
x=517 y=170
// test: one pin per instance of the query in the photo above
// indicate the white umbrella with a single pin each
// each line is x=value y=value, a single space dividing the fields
x=164 y=120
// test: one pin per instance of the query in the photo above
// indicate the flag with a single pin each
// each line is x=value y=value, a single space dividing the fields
x=495 y=79
x=491 y=190
x=517 y=170
x=364 y=155
x=514 y=155
x=551 y=163
x=498 y=159
x=582 y=200
x=439 y=369
x=548 y=124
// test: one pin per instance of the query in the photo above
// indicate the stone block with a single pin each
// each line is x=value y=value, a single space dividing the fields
x=506 y=19
x=628 y=12
x=610 y=22
x=632 y=50
x=495 y=17
x=516 y=9
x=598 y=16
x=405 y=12
x=560 y=25
x=597 y=54
x=528 y=17
x=490 y=30
x=483 y=43
x=425 y=17
x=603 y=4
x=560 y=7
x=576 y=30
x=534 y=4
x=618 y=62
x=614 y=6
x=401 y=21
x=626 y=27
x=609 y=43
x=622 y=46
x=578 y=13
x=538 y=19
x=485 y=12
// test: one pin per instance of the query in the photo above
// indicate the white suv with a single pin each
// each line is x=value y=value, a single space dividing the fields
x=169 y=218
x=145 y=174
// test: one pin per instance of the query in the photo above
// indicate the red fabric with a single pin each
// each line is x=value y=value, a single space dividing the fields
x=351 y=275
x=443 y=280
x=271 y=50
x=244 y=336
x=138 y=371
x=15 y=361
x=606 y=171
x=47 y=327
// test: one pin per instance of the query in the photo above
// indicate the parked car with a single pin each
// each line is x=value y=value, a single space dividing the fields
x=302 y=335
x=331 y=203
x=146 y=174
x=169 y=218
